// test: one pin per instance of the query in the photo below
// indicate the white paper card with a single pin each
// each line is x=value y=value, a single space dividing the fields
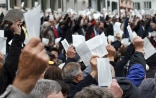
x=97 y=46
x=1 y=33
x=32 y=19
x=78 y=39
x=36 y=4
x=57 y=40
x=125 y=41
x=22 y=4
x=111 y=38
x=94 y=46
x=148 y=48
x=3 y=45
x=45 y=41
x=104 y=72
x=130 y=32
x=103 y=38
x=84 y=53
x=65 y=44
x=10 y=42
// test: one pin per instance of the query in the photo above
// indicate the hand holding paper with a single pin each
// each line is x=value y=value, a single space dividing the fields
x=71 y=52
x=93 y=62
x=115 y=89
x=111 y=52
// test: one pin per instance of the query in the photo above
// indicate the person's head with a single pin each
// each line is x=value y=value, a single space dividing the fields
x=65 y=88
x=94 y=92
x=53 y=73
x=46 y=33
x=55 y=52
x=72 y=71
x=101 y=24
x=13 y=16
x=153 y=25
x=46 y=89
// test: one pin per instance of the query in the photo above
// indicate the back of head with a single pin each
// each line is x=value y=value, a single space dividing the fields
x=44 y=87
x=94 y=92
x=53 y=73
x=70 y=70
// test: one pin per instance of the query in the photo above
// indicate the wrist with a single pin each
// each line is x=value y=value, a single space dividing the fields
x=25 y=85
x=111 y=58
x=93 y=74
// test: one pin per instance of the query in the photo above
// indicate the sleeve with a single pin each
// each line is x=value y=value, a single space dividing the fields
x=136 y=74
x=86 y=82
x=13 y=92
x=8 y=72
x=119 y=67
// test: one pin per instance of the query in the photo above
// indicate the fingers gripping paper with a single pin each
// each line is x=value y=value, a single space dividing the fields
x=104 y=72
x=32 y=19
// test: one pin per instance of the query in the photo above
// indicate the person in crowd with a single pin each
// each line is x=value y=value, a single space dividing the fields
x=64 y=88
x=28 y=73
x=55 y=52
x=109 y=25
x=46 y=89
x=8 y=72
x=95 y=92
x=52 y=21
x=148 y=88
x=100 y=28
x=137 y=64
x=46 y=33
x=53 y=73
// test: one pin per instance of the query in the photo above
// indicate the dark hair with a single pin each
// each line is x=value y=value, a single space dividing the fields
x=65 y=87
x=53 y=73
x=54 y=49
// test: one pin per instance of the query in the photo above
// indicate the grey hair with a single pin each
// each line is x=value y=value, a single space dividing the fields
x=45 y=87
x=71 y=70
x=94 y=92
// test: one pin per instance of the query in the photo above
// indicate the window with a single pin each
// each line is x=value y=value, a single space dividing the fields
x=147 y=5
x=136 y=5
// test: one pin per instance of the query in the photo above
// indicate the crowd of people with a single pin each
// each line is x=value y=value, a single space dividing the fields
x=45 y=70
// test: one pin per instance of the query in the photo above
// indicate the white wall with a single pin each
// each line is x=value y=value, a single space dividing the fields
x=2 y=1
x=154 y=4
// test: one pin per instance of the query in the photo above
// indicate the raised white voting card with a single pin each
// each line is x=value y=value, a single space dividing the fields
x=32 y=19
x=45 y=41
x=148 y=48
x=125 y=41
x=65 y=44
x=57 y=40
x=84 y=52
x=94 y=46
x=78 y=39
x=1 y=33
x=3 y=45
x=104 y=72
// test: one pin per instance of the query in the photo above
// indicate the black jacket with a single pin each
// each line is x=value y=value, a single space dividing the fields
x=7 y=74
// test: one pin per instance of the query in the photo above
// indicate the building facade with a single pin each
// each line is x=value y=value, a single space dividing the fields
x=144 y=4
x=73 y=4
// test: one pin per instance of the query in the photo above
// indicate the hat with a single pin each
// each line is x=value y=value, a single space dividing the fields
x=14 y=15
